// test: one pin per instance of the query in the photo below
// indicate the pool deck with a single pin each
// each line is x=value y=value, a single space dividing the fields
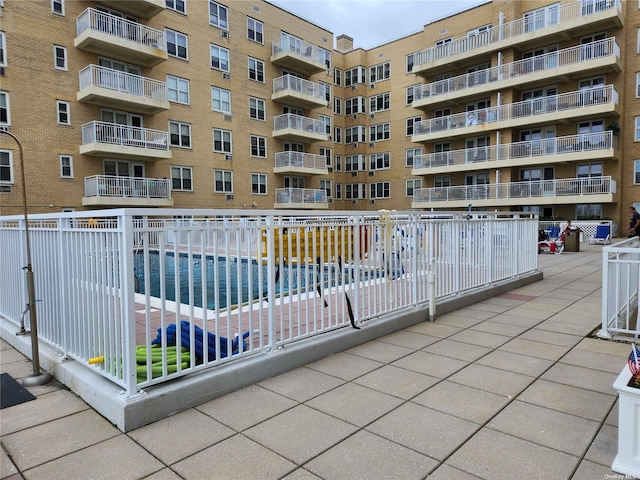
x=511 y=387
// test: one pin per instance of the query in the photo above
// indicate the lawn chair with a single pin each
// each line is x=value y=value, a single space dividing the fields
x=602 y=235
x=553 y=241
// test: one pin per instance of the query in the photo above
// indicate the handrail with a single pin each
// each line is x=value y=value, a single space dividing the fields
x=109 y=78
x=288 y=43
x=299 y=85
x=125 y=135
x=298 y=122
x=300 y=195
x=132 y=187
x=300 y=159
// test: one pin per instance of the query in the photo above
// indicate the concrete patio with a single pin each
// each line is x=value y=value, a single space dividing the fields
x=511 y=387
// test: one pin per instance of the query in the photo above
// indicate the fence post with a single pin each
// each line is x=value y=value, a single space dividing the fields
x=126 y=264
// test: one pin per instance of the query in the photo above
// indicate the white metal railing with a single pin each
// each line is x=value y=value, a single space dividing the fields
x=288 y=43
x=511 y=30
x=548 y=62
x=311 y=196
x=298 y=122
x=124 y=135
x=527 y=189
x=111 y=79
x=586 y=142
x=526 y=109
x=300 y=159
x=299 y=85
x=621 y=289
x=133 y=187
x=106 y=281
x=92 y=19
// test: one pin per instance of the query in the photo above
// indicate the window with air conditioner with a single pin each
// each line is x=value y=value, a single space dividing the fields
x=223 y=181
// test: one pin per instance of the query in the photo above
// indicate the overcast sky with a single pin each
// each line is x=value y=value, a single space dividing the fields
x=373 y=22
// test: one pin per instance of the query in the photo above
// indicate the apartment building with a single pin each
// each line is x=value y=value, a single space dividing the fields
x=525 y=106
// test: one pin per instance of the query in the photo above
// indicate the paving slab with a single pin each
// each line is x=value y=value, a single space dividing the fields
x=345 y=365
x=515 y=362
x=301 y=384
x=381 y=351
x=396 y=381
x=430 y=364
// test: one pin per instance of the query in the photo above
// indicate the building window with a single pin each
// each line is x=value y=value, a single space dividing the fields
x=410 y=156
x=326 y=153
x=442 y=181
x=181 y=178
x=412 y=185
x=5 y=116
x=64 y=116
x=258 y=146
x=337 y=106
x=589 y=212
x=636 y=172
x=355 y=191
x=177 y=6
x=410 y=123
x=379 y=161
x=178 y=89
x=57 y=7
x=60 y=57
x=337 y=76
x=220 y=100
x=258 y=184
x=637 y=76
x=180 y=134
x=219 y=58
x=354 y=134
x=6 y=167
x=378 y=103
x=337 y=135
x=410 y=63
x=380 y=132
x=411 y=93
x=3 y=49
x=338 y=195
x=66 y=166
x=354 y=105
x=325 y=88
x=637 y=129
x=255 y=30
x=326 y=186
x=257 y=108
x=353 y=76
x=176 y=44
x=327 y=123
x=355 y=163
x=256 y=70
x=380 y=190
x=585 y=170
x=223 y=181
x=218 y=15
x=222 y=141
x=380 y=72
x=337 y=163
x=326 y=56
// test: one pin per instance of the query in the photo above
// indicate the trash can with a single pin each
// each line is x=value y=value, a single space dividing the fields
x=572 y=241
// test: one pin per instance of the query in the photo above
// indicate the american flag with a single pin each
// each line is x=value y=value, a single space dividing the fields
x=634 y=360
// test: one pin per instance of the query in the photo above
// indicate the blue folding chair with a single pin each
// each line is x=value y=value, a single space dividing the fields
x=602 y=235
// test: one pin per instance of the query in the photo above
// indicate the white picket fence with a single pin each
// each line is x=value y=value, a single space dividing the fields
x=238 y=285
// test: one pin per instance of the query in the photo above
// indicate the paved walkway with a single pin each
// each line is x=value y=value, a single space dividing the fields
x=509 y=388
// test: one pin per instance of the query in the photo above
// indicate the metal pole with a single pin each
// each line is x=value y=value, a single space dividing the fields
x=37 y=377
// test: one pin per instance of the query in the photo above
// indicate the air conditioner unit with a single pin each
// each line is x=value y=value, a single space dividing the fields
x=224 y=33
x=373 y=115
x=329 y=105
x=330 y=200
x=329 y=169
x=228 y=196
x=372 y=201
x=355 y=145
x=228 y=156
x=372 y=85
x=4 y=128
x=354 y=201
x=227 y=118
x=372 y=144
x=372 y=173
x=353 y=87
x=353 y=174
x=355 y=115
x=226 y=76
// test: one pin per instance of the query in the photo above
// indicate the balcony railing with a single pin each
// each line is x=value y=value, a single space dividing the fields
x=587 y=142
x=287 y=43
x=111 y=79
x=308 y=196
x=512 y=30
x=526 y=189
x=121 y=28
x=299 y=85
x=124 y=135
x=300 y=123
x=521 y=110
x=547 y=62
x=132 y=187
x=299 y=159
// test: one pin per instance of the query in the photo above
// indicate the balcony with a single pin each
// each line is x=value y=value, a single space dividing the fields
x=294 y=54
x=137 y=8
x=298 y=92
x=592 y=58
x=301 y=198
x=115 y=89
x=105 y=34
x=572 y=148
x=299 y=129
x=110 y=191
x=571 y=20
x=539 y=192
x=301 y=163
x=113 y=140
x=583 y=104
